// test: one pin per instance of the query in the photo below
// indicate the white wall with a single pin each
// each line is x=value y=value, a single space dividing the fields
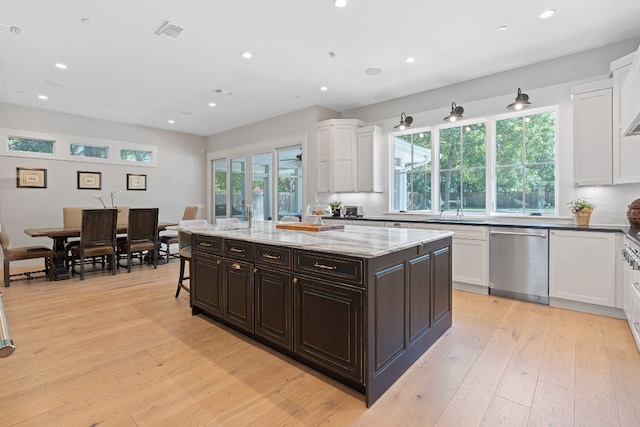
x=547 y=83
x=177 y=181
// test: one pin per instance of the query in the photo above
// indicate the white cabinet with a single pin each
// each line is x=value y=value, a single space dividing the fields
x=370 y=159
x=470 y=257
x=626 y=149
x=337 y=156
x=592 y=133
x=582 y=267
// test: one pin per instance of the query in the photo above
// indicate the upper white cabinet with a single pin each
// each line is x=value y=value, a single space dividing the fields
x=592 y=133
x=349 y=156
x=370 y=159
x=582 y=266
x=338 y=155
x=626 y=149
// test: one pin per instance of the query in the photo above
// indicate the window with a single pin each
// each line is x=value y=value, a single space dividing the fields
x=135 y=155
x=412 y=171
x=238 y=186
x=525 y=163
x=83 y=150
x=462 y=167
x=261 y=165
x=17 y=143
x=220 y=188
x=290 y=182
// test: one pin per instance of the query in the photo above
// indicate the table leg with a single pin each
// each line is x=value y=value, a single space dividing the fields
x=59 y=270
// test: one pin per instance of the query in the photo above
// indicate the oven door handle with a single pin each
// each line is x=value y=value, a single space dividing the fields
x=515 y=233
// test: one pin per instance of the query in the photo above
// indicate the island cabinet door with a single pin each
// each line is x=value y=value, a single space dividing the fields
x=328 y=324
x=206 y=286
x=273 y=307
x=238 y=293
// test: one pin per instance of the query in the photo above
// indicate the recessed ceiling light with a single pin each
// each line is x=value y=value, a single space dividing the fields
x=172 y=121
x=340 y=3
x=61 y=65
x=212 y=104
x=547 y=14
x=410 y=59
x=373 y=71
x=324 y=88
x=247 y=55
x=43 y=97
x=501 y=28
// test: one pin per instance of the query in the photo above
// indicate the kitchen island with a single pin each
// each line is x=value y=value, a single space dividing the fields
x=360 y=305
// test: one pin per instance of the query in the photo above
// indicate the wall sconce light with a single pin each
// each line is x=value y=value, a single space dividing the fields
x=455 y=114
x=522 y=101
x=405 y=122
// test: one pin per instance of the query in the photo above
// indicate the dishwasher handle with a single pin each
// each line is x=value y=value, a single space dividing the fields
x=515 y=233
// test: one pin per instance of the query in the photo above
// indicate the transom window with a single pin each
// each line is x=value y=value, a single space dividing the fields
x=135 y=155
x=82 y=150
x=34 y=145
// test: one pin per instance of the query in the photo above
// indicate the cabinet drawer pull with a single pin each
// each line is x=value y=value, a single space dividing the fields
x=268 y=256
x=235 y=266
x=326 y=267
x=205 y=244
x=240 y=251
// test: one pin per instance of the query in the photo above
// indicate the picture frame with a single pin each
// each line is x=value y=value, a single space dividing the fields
x=136 y=181
x=89 y=180
x=31 y=178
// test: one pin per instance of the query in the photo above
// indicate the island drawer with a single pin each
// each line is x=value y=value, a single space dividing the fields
x=207 y=244
x=273 y=255
x=328 y=266
x=238 y=249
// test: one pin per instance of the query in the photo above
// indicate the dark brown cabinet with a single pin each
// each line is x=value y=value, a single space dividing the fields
x=362 y=321
x=328 y=319
x=274 y=307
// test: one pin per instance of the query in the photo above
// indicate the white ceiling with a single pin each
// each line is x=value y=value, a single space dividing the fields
x=119 y=69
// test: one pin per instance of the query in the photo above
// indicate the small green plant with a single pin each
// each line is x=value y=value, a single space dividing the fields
x=335 y=204
x=579 y=204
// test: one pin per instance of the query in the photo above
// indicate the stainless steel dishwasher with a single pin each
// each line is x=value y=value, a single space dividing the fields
x=519 y=263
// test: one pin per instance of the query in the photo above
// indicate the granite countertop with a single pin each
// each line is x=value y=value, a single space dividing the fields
x=356 y=241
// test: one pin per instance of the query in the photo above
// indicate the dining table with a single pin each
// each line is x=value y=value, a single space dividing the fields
x=60 y=235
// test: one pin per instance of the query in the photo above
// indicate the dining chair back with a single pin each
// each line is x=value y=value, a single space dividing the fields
x=170 y=238
x=97 y=237
x=10 y=253
x=142 y=235
x=184 y=249
x=71 y=218
x=123 y=215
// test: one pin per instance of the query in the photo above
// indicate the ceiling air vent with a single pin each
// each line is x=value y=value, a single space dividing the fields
x=170 y=30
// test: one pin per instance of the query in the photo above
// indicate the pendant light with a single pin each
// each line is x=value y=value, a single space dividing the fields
x=405 y=122
x=455 y=114
x=522 y=101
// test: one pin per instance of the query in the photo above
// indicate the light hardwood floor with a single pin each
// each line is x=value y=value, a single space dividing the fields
x=122 y=351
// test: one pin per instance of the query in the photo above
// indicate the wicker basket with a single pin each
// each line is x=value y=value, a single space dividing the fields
x=633 y=214
x=582 y=217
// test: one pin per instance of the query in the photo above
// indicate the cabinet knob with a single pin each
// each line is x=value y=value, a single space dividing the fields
x=255 y=270
x=218 y=261
x=295 y=280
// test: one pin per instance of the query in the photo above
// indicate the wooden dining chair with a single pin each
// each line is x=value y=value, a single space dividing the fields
x=184 y=250
x=170 y=238
x=142 y=235
x=97 y=237
x=10 y=253
x=71 y=218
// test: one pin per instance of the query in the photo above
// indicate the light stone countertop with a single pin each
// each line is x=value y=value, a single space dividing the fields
x=353 y=240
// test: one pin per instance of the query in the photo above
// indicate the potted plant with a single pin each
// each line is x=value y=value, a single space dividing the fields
x=581 y=209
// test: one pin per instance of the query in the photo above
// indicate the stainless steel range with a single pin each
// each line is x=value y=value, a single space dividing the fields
x=631 y=296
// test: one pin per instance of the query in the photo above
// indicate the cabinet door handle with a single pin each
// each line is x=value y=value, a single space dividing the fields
x=205 y=244
x=218 y=261
x=268 y=256
x=326 y=267
x=241 y=251
x=235 y=266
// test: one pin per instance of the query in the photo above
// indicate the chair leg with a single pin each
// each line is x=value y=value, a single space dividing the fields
x=81 y=267
x=7 y=273
x=180 y=285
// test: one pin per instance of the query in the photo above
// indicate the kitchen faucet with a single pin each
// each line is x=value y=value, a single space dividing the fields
x=248 y=213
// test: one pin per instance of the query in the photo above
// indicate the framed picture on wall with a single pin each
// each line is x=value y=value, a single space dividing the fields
x=136 y=181
x=31 y=178
x=89 y=180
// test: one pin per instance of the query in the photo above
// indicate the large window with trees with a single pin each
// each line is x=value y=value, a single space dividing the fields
x=462 y=167
x=525 y=163
x=521 y=151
